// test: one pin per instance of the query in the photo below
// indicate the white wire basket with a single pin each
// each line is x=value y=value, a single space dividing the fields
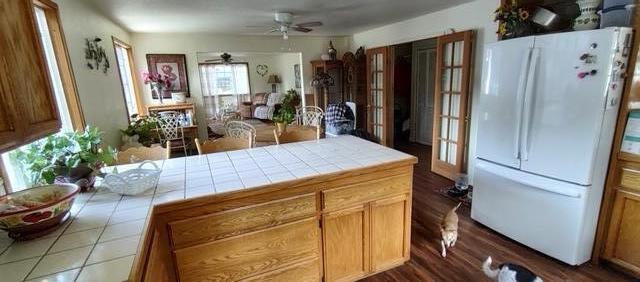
x=134 y=181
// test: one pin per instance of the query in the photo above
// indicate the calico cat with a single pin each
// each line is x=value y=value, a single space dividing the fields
x=449 y=230
x=509 y=272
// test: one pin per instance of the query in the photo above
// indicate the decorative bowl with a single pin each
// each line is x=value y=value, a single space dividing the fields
x=36 y=211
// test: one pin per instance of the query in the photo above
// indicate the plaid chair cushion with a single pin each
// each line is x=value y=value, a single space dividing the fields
x=338 y=113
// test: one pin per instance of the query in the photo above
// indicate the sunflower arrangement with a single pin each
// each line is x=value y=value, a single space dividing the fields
x=513 y=20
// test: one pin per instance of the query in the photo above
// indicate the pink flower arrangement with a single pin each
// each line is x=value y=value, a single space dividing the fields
x=156 y=79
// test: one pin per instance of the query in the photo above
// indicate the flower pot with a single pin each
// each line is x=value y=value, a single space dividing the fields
x=281 y=126
x=82 y=175
x=588 y=18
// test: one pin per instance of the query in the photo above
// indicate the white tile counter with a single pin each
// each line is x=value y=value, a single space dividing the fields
x=100 y=242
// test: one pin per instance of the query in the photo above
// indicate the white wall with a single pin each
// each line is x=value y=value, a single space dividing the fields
x=100 y=94
x=477 y=15
x=285 y=63
x=191 y=44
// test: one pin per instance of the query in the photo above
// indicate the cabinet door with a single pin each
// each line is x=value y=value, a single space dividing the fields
x=390 y=232
x=26 y=79
x=346 y=243
x=622 y=246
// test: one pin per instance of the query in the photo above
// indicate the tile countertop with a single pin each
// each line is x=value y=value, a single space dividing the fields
x=100 y=241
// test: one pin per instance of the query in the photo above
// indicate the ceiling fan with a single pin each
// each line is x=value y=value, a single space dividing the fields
x=284 y=23
x=225 y=58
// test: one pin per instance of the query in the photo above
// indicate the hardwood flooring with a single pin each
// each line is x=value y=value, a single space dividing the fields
x=475 y=242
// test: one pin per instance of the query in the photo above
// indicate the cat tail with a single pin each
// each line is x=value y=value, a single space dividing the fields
x=486 y=268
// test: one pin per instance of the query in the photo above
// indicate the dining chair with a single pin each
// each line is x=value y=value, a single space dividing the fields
x=222 y=145
x=172 y=130
x=138 y=154
x=242 y=130
x=297 y=134
x=309 y=116
x=217 y=122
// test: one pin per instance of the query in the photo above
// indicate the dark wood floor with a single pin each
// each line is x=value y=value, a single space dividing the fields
x=475 y=242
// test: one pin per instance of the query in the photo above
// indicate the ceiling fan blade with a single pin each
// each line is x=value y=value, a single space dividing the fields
x=271 y=31
x=302 y=29
x=309 y=24
x=213 y=61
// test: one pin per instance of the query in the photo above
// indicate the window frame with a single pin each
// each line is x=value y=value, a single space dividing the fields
x=65 y=69
x=134 y=79
x=63 y=59
x=234 y=63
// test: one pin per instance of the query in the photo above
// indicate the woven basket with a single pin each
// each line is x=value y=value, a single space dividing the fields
x=134 y=181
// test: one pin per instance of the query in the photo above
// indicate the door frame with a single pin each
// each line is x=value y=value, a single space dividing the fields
x=429 y=45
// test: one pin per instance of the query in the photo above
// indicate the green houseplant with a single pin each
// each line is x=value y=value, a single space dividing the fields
x=143 y=127
x=74 y=157
x=286 y=114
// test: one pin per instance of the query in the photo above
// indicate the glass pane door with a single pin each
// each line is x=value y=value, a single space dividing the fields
x=454 y=53
x=377 y=85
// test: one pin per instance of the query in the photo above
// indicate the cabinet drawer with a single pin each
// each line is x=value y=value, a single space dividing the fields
x=366 y=191
x=630 y=179
x=234 y=222
x=251 y=254
x=303 y=272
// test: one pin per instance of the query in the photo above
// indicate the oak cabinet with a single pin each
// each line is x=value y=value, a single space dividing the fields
x=346 y=238
x=389 y=232
x=622 y=245
x=365 y=239
x=324 y=228
x=27 y=103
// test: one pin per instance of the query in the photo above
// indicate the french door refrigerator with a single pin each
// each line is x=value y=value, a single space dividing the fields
x=547 y=114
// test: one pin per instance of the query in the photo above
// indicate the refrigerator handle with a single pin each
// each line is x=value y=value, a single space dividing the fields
x=528 y=104
x=522 y=82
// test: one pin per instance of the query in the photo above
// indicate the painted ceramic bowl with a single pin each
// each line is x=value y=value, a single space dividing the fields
x=36 y=211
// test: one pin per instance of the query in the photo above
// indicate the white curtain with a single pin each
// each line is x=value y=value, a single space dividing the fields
x=224 y=86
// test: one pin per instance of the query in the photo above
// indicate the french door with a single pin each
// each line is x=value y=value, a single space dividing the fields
x=453 y=71
x=379 y=94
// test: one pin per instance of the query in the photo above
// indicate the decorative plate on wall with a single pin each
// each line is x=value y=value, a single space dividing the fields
x=262 y=70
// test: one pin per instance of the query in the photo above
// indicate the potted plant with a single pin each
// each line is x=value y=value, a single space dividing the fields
x=74 y=157
x=141 y=130
x=513 y=20
x=286 y=114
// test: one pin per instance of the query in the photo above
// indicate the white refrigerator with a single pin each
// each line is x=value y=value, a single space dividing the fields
x=546 y=119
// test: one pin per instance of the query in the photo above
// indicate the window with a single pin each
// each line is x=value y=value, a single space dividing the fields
x=130 y=92
x=59 y=67
x=224 y=86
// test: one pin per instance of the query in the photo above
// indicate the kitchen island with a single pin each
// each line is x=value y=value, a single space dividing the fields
x=337 y=209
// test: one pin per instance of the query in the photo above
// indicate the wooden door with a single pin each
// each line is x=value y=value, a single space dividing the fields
x=379 y=94
x=453 y=72
x=346 y=244
x=622 y=245
x=390 y=225
x=26 y=78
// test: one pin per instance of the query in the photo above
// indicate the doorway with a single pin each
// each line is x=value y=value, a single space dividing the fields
x=402 y=91
x=414 y=72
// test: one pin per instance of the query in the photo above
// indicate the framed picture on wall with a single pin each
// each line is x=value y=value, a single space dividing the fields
x=296 y=74
x=172 y=65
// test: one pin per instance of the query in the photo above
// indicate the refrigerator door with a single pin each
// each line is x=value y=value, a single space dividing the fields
x=544 y=214
x=501 y=100
x=564 y=108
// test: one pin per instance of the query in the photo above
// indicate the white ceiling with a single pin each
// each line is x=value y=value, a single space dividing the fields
x=340 y=17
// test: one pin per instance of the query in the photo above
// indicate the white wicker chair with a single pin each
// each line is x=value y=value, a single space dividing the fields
x=309 y=116
x=242 y=130
x=170 y=123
